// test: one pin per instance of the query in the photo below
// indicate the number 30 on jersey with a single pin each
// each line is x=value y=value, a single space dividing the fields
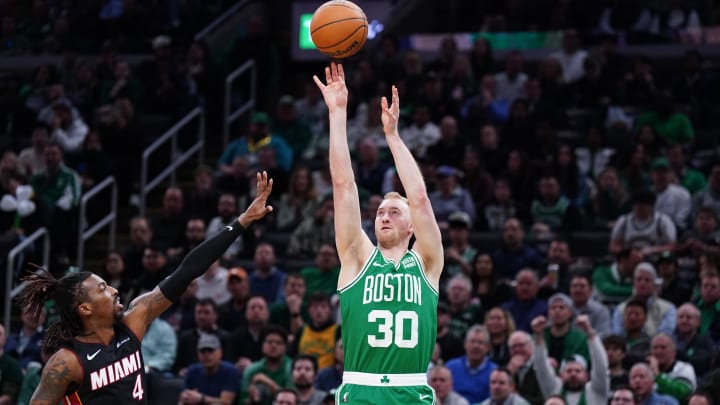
x=391 y=328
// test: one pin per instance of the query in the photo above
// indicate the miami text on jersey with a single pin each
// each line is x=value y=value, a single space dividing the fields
x=115 y=371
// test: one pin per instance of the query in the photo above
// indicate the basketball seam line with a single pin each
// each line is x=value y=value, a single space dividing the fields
x=344 y=39
x=337 y=21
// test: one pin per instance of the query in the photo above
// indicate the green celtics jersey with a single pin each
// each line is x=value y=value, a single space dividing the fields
x=389 y=317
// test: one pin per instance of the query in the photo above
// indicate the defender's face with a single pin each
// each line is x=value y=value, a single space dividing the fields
x=392 y=222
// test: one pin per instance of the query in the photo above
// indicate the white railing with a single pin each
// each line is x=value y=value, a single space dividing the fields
x=110 y=218
x=10 y=292
x=230 y=116
x=176 y=158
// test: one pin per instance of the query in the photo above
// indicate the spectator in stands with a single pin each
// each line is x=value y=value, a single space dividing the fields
x=313 y=231
x=635 y=315
x=563 y=340
x=266 y=279
x=213 y=284
x=661 y=314
x=236 y=180
x=615 y=346
x=463 y=311
x=227 y=207
x=206 y=316
x=675 y=19
x=459 y=83
x=502 y=389
x=211 y=380
x=471 y=372
x=620 y=16
x=644 y=227
x=153 y=270
x=502 y=207
x=674 y=377
x=526 y=305
x=122 y=85
x=555 y=272
x=291 y=312
x=422 y=133
x=591 y=90
x=677 y=284
x=83 y=88
x=258 y=135
x=692 y=180
x=298 y=201
x=57 y=190
x=459 y=253
x=710 y=196
x=159 y=347
x=11 y=373
x=583 y=303
x=55 y=94
x=26 y=343
x=613 y=281
x=323 y=276
x=640 y=87
x=709 y=305
x=642 y=381
x=450 y=145
x=93 y=162
x=693 y=85
x=573 y=183
x=288 y=396
x=304 y=371
x=68 y=130
x=522 y=368
x=365 y=125
x=633 y=164
x=231 y=315
x=510 y=83
x=571 y=57
x=500 y=325
x=287 y=125
x=246 y=343
x=515 y=253
x=371 y=170
x=169 y=225
x=489 y=149
x=449 y=344
x=672 y=199
x=441 y=380
x=610 y=201
x=311 y=108
x=477 y=179
x=552 y=208
x=700 y=398
x=194 y=235
x=519 y=175
x=202 y=200
x=692 y=347
x=181 y=315
x=574 y=383
x=317 y=338
x=32 y=158
x=593 y=156
x=115 y=273
x=140 y=236
x=673 y=127
x=481 y=57
x=488 y=287
x=329 y=378
x=265 y=377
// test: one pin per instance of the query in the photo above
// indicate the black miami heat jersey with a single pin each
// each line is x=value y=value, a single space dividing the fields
x=112 y=374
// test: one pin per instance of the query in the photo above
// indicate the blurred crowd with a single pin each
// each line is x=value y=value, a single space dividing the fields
x=578 y=196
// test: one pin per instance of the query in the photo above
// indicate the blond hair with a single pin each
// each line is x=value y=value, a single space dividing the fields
x=395 y=195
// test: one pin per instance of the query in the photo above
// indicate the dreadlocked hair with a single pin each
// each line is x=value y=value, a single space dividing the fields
x=67 y=292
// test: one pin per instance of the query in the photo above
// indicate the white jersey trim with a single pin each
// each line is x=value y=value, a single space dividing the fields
x=384 y=380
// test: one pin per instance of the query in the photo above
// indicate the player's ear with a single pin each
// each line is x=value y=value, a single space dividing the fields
x=84 y=309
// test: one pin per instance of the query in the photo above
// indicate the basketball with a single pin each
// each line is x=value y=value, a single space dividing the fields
x=339 y=28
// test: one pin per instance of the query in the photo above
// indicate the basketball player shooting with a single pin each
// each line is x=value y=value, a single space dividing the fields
x=388 y=294
x=97 y=358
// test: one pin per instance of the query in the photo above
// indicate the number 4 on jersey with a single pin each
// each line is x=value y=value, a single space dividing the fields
x=138 y=391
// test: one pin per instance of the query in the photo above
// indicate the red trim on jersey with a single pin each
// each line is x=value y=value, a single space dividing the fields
x=73 y=399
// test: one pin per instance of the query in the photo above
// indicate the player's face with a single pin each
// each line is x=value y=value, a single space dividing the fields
x=103 y=298
x=392 y=222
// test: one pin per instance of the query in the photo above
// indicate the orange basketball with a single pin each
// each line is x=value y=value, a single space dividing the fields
x=339 y=28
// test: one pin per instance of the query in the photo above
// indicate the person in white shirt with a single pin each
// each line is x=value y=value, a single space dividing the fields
x=571 y=57
x=68 y=131
x=673 y=200
x=510 y=83
x=422 y=133
x=213 y=284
